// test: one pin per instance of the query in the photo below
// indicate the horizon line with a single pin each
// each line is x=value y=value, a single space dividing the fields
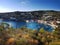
x=27 y=11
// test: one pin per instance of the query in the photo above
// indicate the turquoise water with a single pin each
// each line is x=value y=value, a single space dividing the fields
x=30 y=25
x=37 y=26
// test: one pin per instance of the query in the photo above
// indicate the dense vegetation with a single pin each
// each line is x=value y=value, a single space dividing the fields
x=24 y=36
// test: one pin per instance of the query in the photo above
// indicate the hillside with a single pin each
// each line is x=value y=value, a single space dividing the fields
x=29 y=14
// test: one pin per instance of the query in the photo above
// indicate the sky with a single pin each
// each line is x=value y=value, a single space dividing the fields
x=29 y=5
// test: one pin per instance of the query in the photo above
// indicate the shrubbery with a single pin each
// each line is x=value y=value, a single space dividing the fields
x=24 y=36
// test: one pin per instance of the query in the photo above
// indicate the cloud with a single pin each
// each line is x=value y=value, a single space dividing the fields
x=24 y=2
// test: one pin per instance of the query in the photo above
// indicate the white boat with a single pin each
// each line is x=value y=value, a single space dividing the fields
x=27 y=21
